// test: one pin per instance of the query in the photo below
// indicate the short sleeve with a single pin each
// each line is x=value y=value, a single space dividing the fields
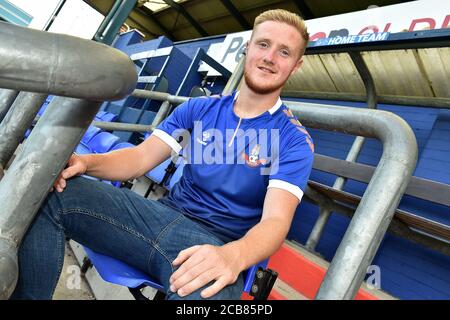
x=294 y=167
x=180 y=121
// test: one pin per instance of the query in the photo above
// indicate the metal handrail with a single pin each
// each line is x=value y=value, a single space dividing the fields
x=62 y=65
x=7 y=98
x=324 y=214
x=383 y=193
x=38 y=61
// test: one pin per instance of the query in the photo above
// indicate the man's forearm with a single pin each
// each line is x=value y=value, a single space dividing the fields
x=127 y=163
x=260 y=242
x=117 y=165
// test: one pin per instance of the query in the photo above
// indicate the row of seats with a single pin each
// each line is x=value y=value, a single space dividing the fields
x=96 y=140
x=164 y=174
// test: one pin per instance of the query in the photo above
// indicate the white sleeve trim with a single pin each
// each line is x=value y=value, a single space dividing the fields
x=280 y=184
x=164 y=136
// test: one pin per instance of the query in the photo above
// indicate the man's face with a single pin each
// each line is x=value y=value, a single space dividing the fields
x=273 y=54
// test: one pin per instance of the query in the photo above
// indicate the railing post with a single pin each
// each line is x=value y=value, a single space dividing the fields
x=62 y=65
x=31 y=175
x=108 y=29
x=18 y=119
x=352 y=156
x=382 y=196
x=236 y=77
x=6 y=100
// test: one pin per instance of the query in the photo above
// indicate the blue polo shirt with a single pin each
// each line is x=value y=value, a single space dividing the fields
x=230 y=162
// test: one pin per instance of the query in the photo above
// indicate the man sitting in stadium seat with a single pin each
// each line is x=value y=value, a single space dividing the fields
x=248 y=160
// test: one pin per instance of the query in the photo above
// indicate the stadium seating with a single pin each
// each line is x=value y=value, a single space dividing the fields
x=103 y=142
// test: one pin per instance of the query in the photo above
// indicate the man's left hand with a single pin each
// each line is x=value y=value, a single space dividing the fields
x=202 y=264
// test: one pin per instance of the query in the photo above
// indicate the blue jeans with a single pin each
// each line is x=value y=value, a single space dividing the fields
x=144 y=233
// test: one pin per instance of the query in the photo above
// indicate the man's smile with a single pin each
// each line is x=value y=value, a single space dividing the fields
x=267 y=70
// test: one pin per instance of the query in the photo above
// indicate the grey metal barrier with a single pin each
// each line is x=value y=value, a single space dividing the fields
x=7 y=98
x=17 y=121
x=382 y=196
x=352 y=156
x=62 y=65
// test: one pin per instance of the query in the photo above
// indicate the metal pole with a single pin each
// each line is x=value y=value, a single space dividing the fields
x=55 y=13
x=55 y=64
x=236 y=77
x=119 y=126
x=352 y=155
x=63 y=65
x=99 y=34
x=160 y=96
x=19 y=118
x=396 y=227
x=162 y=113
x=109 y=28
x=381 y=198
x=27 y=181
x=13 y=129
x=7 y=98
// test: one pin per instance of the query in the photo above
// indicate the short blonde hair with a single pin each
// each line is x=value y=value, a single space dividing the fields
x=284 y=16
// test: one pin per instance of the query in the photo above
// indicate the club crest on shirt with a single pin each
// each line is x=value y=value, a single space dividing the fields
x=206 y=137
x=253 y=159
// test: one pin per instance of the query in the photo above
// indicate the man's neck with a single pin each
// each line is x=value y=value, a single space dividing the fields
x=250 y=104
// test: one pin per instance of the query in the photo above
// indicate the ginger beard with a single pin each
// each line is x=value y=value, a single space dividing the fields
x=266 y=88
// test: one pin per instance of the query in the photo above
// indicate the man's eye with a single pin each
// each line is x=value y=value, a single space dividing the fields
x=284 y=53
x=263 y=45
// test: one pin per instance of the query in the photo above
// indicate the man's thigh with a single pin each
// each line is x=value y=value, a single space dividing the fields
x=111 y=221
x=184 y=233
x=122 y=224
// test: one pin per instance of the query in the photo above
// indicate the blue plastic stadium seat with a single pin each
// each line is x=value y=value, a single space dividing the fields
x=176 y=175
x=118 y=272
x=90 y=133
x=27 y=133
x=40 y=113
x=106 y=116
x=122 y=145
x=44 y=105
x=119 y=146
x=82 y=149
x=157 y=174
x=103 y=142
x=42 y=110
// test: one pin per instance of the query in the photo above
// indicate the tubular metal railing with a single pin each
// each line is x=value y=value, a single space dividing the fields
x=382 y=196
x=352 y=156
x=46 y=63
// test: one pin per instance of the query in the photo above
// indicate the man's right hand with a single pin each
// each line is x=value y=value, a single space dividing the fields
x=75 y=166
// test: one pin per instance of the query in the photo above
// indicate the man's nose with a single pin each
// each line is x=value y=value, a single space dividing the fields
x=269 y=57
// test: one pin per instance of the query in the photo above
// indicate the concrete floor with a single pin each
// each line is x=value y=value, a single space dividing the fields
x=71 y=285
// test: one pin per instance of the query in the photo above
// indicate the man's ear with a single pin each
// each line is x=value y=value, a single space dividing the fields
x=297 y=66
